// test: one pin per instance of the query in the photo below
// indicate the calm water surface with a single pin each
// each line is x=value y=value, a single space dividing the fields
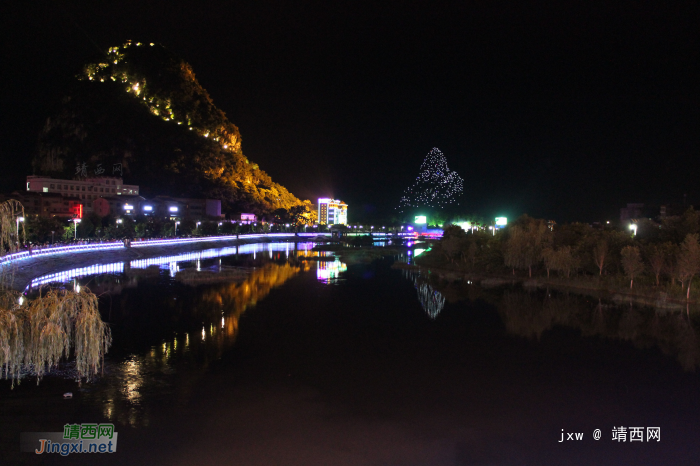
x=323 y=363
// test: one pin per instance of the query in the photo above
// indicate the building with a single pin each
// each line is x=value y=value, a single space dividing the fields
x=50 y=197
x=248 y=218
x=118 y=206
x=631 y=211
x=332 y=212
x=86 y=190
x=48 y=204
x=180 y=208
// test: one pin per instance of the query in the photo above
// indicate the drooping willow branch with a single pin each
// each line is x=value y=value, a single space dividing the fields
x=10 y=211
x=37 y=334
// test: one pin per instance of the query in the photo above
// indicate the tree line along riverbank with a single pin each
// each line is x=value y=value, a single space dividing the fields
x=657 y=266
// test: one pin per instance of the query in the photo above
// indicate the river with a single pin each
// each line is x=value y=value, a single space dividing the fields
x=317 y=362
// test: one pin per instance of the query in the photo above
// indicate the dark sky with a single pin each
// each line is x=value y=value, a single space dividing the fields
x=564 y=110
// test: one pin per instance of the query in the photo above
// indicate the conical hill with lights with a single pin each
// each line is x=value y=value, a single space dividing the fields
x=436 y=186
x=141 y=106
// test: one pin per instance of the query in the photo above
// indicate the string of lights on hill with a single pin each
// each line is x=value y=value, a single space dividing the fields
x=115 y=68
x=436 y=186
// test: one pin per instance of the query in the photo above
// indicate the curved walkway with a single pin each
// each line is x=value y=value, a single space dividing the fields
x=50 y=260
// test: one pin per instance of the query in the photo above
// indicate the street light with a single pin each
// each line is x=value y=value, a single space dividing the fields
x=75 y=229
x=633 y=227
x=176 y=224
x=19 y=219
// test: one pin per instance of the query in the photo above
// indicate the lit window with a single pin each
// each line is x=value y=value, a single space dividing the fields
x=46 y=190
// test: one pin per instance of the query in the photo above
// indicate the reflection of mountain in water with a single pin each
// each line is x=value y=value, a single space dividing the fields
x=172 y=368
x=530 y=316
x=430 y=299
x=234 y=298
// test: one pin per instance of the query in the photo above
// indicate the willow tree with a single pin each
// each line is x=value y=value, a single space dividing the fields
x=36 y=334
x=11 y=211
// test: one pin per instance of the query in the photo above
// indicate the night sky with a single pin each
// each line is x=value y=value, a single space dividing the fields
x=562 y=111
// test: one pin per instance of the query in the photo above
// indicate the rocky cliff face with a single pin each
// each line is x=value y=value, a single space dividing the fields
x=141 y=108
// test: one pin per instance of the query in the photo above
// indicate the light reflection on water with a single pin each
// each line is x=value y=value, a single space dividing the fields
x=431 y=300
x=172 y=262
x=138 y=379
x=329 y=272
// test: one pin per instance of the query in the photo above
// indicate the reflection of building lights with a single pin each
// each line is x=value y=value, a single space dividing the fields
x=327 y=271
x=204 y=334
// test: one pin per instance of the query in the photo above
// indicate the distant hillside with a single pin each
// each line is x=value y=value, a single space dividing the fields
x=141 y=106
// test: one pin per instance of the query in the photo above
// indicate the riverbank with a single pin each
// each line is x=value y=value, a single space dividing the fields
x=27 y=269
x=592 y=287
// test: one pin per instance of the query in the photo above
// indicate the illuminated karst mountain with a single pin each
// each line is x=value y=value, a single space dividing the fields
x=141 y=106
x=436 y=186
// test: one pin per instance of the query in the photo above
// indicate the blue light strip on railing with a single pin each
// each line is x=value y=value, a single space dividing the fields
x=170 y=261
x=119 y=245
x=68 y=275
x=163 y=242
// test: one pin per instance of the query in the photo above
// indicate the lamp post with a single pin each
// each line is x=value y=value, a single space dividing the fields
x=633 y=227
x=176 y=224
x=19 y=219
x=75 y=227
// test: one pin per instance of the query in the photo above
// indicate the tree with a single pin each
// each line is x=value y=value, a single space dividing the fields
x=688 y=261
x=514 y=251
x=536 y=237
x=600 y=252
x=566 y=261
x=550 y=259
x=10 y=211
x=472 y=252
x=658 y=257
x=453 y=239
x=632 y=262
x=562 y=260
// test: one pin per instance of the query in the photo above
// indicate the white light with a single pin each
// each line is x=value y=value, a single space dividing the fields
x=173 y=209
x=148 y=208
